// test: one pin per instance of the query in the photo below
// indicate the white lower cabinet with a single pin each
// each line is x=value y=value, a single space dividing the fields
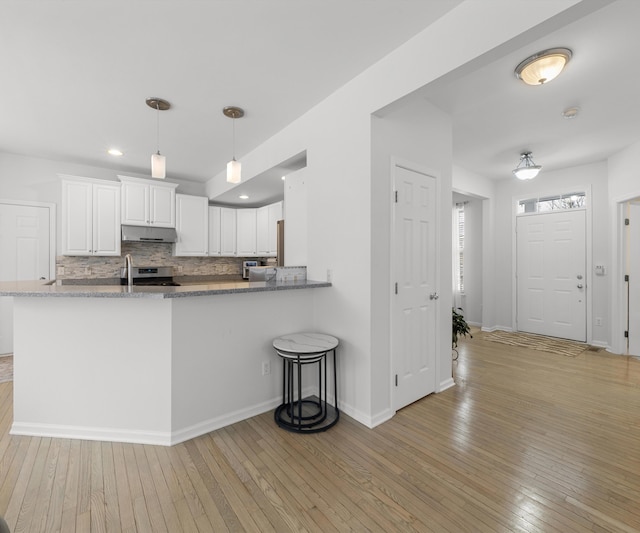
x=192 y=225
x=90 y=216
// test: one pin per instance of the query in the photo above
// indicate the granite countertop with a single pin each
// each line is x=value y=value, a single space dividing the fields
x=49 y=289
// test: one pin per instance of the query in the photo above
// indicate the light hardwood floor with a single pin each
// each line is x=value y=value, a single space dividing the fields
x=526 y=441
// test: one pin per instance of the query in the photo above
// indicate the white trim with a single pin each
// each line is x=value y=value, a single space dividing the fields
x=497 y=328
x=588 y=251
x=227 y=419
x=446 y=384
x=618 y=309
x=91 y=433
x=53 y=245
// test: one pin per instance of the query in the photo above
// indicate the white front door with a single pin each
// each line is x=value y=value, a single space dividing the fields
x=414 y=298
x=24 y=255
x=551 y=274
x=633 y=248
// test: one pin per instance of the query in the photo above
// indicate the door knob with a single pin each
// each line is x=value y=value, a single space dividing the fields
x=579 y=276
x=434 y=296
x=579 y=285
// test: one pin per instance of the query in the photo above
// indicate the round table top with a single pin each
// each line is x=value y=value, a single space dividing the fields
x=305 y=343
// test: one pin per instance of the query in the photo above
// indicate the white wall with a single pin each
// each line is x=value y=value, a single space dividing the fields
x=419 y=133
x=624 y=184
x=342 y=200
x=296 y=219
x=578 y=178
x=36 y=179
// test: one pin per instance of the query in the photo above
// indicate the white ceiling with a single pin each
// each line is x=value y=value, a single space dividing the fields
x=496 y=116
x=76 y=74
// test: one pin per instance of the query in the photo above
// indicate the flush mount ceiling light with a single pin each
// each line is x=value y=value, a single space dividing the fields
x=526 y=169
x=115 y=152
x=233 y=167
x=158 y=163
x=544 y=66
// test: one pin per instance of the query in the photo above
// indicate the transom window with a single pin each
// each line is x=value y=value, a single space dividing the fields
x=573 y=200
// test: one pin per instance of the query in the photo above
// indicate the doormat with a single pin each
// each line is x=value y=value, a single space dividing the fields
x=537 y=342
x=6 y=368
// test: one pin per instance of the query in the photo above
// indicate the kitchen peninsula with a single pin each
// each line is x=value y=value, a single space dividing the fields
x=154 y=365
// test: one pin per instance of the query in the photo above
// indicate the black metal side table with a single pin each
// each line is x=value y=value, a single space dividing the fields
x=313 y=413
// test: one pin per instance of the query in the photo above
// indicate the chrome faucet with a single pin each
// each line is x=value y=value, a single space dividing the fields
x=128 y=264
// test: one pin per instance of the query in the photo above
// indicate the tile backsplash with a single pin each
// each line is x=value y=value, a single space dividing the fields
x=146 y=254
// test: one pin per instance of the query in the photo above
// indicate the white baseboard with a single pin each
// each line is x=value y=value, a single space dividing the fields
x=497 y=328
x=91 y=433
x=212 y=424
x=446 y=384
x=601 y=344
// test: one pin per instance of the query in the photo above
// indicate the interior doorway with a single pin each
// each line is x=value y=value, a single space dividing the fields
x=468 y=256
x=632 y=276
x=27 y=249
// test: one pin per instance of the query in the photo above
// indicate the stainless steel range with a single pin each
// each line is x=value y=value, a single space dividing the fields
x=162 y=276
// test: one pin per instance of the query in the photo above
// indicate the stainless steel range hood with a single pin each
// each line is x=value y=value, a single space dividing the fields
x=148 y=234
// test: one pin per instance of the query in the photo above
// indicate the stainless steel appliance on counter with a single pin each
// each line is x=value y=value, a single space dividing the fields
x=246 y=265
x=162 y=276
x=262 y=273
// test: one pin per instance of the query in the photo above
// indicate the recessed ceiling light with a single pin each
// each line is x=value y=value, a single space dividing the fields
x=571 y=112
x=115 y=151
x=283 y=178
x=243 y=197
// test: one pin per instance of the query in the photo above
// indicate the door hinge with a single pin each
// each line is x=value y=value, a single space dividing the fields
x=626 y=221
x=626 y=334
x=396 y=196
x=396 y=380
x=396 y=287
x=626 y=277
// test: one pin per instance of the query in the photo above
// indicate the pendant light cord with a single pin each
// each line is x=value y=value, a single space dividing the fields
x=158 y=127
x=234 y=139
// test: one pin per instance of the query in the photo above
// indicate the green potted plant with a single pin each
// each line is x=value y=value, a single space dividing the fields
x=459 y=327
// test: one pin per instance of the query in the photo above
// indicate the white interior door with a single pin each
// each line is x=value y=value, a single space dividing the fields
x=24 y=255
x=413 y=327
x=551 y=274
x=633 y=251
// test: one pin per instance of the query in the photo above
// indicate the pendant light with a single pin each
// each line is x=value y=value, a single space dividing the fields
x=158 y=162
x=526 y=169
x=544 y=66
x=233 y=167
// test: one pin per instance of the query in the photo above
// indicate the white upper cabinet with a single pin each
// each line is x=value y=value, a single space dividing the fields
x=90 y=216
x=246 y=225
x=267 y=229
x=244 y=232
x=228 y=231
x=214 y=230
x=148 y=203
x=192 y=225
